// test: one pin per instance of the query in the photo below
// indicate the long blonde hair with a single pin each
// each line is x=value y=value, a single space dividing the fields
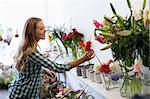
x=28 y=44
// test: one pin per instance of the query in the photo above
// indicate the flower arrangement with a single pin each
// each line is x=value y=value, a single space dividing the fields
x=109 y=75
x=129 y=40
x=55 y=35
x=70 y=41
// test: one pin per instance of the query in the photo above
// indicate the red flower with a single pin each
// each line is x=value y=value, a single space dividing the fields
x=81 y=44
x=88 y=46
x=105 y=67
x=97 y=24
x=110 y=40
x=74 y=30
x=65 y=36
x=101 y=39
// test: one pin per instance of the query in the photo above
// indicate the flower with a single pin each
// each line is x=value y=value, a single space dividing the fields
x=137 y=68
x=115 y=67
x=97 y=24
x=105 y=67
x=116 y=76
x=96 y=68
x=88 y=45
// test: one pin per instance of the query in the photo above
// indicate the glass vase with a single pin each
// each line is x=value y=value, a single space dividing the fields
x=146 y=81
x=107 y=81
x=78 y=70
x=130 y=86
x=97 y=77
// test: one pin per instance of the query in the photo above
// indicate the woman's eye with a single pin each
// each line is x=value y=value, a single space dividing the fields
x=41 y=28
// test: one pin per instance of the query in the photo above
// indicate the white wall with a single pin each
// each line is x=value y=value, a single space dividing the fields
x=13 y=14
x=78 y=13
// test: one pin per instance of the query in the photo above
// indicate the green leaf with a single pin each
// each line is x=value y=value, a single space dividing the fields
x=106 y=47
x=107 y=34
x=95 y=35
x=129 y=4
x=108 y=20
x=103 y=29
x=120 y=21
x=144 y=4
x=113 y=9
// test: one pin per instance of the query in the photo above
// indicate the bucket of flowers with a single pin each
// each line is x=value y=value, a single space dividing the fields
x=69 y=93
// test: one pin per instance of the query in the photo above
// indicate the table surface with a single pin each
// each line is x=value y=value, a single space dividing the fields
x=108 y=94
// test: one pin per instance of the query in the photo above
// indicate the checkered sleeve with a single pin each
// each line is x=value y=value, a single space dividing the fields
x=38 y=58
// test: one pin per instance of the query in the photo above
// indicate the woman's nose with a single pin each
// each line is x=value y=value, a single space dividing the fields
x=45 y=30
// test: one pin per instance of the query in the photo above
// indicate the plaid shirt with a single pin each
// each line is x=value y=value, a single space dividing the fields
x=27 y=83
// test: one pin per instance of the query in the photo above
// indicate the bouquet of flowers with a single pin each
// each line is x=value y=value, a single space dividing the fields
x=72 y=41
x=129 y=40
x=55 y=35
x=127 y=37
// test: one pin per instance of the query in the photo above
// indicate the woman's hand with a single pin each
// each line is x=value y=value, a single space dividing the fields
x=88 y=55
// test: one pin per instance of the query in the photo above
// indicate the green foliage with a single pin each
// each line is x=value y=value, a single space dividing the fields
x=6 y=77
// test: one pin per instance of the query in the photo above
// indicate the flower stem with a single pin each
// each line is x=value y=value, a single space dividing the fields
x=98 y=59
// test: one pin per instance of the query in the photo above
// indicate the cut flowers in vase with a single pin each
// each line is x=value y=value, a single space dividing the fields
x=72 y=41
x=69 y=40
x=129 y=41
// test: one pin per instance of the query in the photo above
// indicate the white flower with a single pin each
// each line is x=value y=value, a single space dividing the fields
x=96 y=68
x=115 y=66
x=136 y=15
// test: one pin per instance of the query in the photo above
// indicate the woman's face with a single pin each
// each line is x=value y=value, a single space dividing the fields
x=40 y=30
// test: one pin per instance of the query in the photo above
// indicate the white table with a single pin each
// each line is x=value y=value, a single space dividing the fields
x=100 y=93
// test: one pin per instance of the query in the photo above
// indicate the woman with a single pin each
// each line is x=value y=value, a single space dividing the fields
x=29 y=62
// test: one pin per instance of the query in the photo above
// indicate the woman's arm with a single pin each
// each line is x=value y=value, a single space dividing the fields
x=87 y=56
x=38 y=58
